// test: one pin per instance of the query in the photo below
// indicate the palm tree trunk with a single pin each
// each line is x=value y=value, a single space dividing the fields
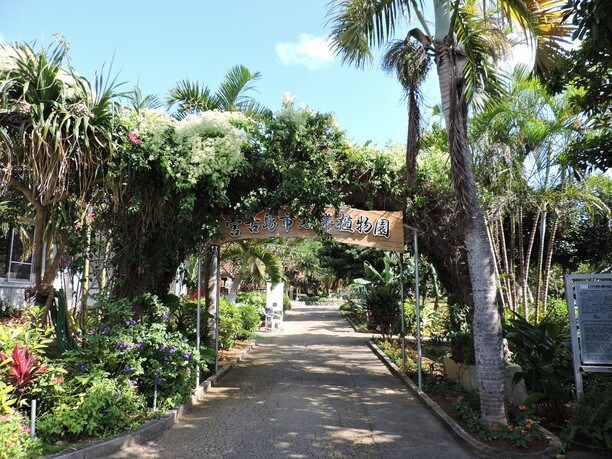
x=487 y=318
x=511 y=261
x=526 y=265
x=521 y=254
x=414 y=137
x=540 y=265
x=547 y=266
x=233 y=293
x=506 y=265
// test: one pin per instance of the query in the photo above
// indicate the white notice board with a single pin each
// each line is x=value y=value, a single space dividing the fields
x=594 y=303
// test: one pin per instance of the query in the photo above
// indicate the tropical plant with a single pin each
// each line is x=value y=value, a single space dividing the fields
x=410 y=62
x=462 y=69
x=253 y=261
x=381 y=296
x=139 y=349
x=23 y=366
x=231 y=96
x=543 y=353
x=56 y=143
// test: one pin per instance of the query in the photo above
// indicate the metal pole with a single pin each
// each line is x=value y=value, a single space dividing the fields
x=576 y=357
x=199 y=315
x=418 y=306
x=217 y=253
x=33 y=421
x=401 y=257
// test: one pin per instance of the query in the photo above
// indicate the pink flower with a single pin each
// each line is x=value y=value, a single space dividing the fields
x=135 y=140
x=522 y=407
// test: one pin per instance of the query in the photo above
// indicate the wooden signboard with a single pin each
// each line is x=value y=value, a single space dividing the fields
x=381 y=229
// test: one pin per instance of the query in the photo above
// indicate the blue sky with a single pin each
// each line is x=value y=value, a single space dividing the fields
x=157 y=43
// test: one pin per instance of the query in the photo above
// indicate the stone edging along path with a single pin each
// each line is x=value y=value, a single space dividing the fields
x=468 y=442
x=153 y=428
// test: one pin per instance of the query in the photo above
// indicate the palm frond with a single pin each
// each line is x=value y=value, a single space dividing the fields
x=360 y=25
x=409 y=61
x=191 y=97
x=238 y=81
x=544 y=25
x=140 y=102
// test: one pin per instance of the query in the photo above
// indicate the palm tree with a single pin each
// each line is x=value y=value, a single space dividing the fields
x=359 y=25
x=410 y=62
x=57 y=138
x=232 y=95
x=252 y=260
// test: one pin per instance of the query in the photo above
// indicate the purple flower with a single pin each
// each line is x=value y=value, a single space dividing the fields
x=156 y=373
x=131 y=322
x=121 y=345
x=187 y=355
x=166 y=316
x=127 y=369
x=159 y=382
x=139 y=344
x=129 y=348
x=133 y=383
x=162 y=347
x=82 y=366
x=172 y=350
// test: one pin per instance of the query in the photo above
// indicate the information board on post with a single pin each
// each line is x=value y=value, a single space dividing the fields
x=589 y=304
x=594 y=302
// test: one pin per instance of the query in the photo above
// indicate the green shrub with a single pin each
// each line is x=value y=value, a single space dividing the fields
x=459 y=333
x=143 y=352
x=545 y=357
x=15 y=437
x=286 y=302
x=249 y=318
x=230 y=324
x=590 y=422
x=93 y=406
x=383 y=305
x=256 y=299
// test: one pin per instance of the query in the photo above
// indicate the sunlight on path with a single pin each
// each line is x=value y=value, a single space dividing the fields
x=313 y=390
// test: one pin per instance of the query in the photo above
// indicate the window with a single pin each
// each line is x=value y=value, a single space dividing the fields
x=14 y=266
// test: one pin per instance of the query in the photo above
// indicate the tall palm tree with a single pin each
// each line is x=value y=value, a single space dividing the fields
x=232 y=95
x=410 y=62
x=57 y=138
x=359 y=25
x=252 y=260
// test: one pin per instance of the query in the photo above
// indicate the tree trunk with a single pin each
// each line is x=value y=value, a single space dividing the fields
x=511 y=261
x=211 y=263
x=547 y=266
x=540 y=266
x=526 y=265
x=414 y=138
x=233 y=293
x=506 y=265
x=487 y=319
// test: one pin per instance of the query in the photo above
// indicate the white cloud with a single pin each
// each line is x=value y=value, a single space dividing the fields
x=310 y=51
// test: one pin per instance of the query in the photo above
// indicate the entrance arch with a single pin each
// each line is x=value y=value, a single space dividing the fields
x=378 y=229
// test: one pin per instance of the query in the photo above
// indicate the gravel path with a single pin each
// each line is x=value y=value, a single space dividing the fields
x=312 y=390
